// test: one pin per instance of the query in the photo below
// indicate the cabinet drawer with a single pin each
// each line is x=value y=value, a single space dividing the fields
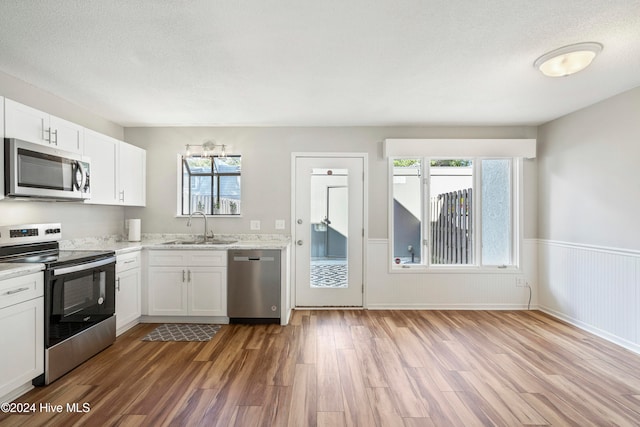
x=186 y=257
x=20 y=289
x=127 y=262
x=167 y=258
x=207 y=258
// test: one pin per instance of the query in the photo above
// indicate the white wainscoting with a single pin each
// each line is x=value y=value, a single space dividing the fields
x=454 y=291
x=594 y=288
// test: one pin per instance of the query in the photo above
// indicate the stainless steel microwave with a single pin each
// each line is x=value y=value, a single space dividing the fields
x=34 y=170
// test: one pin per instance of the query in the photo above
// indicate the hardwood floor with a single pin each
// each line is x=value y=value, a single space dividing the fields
x=362 y=368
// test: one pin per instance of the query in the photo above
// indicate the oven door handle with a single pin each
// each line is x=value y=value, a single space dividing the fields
x=82 y=267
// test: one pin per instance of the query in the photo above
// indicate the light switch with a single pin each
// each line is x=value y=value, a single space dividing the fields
x=279 y=224
x=255 y=224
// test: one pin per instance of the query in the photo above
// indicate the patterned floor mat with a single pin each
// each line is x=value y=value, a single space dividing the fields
x=182 y=332
x=328 y=275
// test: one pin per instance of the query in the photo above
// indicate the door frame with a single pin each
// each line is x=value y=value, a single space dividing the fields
x=365 y=217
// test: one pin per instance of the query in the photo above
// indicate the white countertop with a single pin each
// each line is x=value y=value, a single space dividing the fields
x=164 y=242
x=151 y=241
x=10 y=270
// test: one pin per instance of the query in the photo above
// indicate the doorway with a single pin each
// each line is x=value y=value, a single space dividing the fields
x=328 y=231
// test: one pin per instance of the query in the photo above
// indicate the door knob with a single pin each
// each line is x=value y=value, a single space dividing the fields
x=299 y=242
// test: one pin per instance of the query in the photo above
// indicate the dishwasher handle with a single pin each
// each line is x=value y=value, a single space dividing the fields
x=254 y=258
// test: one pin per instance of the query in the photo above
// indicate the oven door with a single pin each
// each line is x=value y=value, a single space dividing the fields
x=78 y=297
x=33 y=170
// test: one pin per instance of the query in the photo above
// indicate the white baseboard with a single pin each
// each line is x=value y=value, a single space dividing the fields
x=480 y=307
x=13 y=395
x=218 y=320
x=595 y=331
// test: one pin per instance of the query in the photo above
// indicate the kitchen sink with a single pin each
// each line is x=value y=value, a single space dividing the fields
x=200 y=242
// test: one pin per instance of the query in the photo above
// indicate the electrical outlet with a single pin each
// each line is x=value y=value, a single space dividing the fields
x=520 y=282
x=255 y=224
x=279 y=224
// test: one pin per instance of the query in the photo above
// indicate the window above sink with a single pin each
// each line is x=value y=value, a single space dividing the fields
x=210 y=184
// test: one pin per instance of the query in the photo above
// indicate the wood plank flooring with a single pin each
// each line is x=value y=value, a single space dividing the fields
x=356 y=368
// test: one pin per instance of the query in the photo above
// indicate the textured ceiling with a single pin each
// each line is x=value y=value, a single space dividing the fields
x=318 y=62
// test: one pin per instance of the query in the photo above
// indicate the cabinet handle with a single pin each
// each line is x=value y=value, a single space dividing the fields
x=16 y=291
x=55 y=132
x=46 y=133
x=182 y=276
x=122 y=196
x=129 y=261
x=118 y=284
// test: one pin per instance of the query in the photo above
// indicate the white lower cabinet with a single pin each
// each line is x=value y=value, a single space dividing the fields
x=22 y=326
x=187 y=283
x=167 y=291
x=128 y=291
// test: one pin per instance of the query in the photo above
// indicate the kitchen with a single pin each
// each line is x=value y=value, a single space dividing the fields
x=267 y=179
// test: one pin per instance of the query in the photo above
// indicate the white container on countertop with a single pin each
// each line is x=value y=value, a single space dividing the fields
x=134 y=230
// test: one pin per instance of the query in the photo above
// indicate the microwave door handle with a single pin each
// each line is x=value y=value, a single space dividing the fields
x=79 y=171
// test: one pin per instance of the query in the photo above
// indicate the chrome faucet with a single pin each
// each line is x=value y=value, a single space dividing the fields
x=204 y=235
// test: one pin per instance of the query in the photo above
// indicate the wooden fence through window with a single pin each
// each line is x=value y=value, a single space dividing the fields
x=452 y=227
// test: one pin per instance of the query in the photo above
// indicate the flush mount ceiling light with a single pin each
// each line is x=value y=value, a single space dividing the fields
x=568 y=59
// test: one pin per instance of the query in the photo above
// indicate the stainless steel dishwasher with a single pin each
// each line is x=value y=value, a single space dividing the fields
x=253 y=286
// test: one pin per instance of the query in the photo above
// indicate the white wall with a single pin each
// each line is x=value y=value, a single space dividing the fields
x=588 y=175
x=78 y=220
x=457 y=291
x=266 y=196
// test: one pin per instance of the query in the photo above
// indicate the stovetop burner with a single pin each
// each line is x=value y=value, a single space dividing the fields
x=50 y=255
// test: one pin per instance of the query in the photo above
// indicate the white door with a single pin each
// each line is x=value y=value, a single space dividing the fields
x=329 y=276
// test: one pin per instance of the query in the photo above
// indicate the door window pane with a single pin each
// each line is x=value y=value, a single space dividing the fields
x=496 y=212
x=329 y=223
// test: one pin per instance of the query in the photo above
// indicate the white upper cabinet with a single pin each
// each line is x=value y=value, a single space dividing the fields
x=29 y=124
x=132 y=163
x=103 y=152
x=118 y=170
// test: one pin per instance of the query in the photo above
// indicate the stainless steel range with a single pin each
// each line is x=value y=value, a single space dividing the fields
x=79 y=295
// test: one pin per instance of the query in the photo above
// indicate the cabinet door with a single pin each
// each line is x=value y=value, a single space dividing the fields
x=207 y=291
x=132 y=172
x=103 y=152
x=128 y=308
x=167 y=291
x=22 y=344
x=26 y=123
x=66 y=135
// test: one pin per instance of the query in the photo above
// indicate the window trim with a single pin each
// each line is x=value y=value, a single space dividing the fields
x=180 y=185
x=517 y=223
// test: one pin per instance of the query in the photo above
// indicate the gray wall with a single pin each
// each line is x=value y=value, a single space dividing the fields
x=267 y=169
x=588 y=175
x=78 y=220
